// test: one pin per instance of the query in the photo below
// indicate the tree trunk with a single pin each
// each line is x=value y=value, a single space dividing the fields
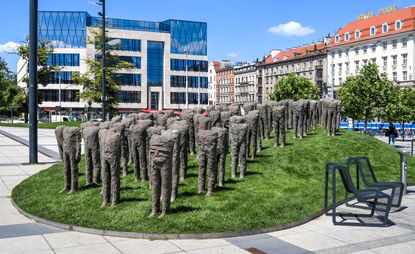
x=352 y=124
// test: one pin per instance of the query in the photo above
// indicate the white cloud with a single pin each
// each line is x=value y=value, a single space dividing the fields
x=291 y=28
x=9 y=47
x=233 y=55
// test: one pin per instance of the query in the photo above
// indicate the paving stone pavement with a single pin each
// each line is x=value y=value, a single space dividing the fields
x=19 y=234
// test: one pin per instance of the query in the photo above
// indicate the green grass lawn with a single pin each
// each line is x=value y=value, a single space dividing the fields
x=282 y=186
x=43 y=125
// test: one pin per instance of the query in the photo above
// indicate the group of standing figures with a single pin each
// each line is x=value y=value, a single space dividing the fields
x=158 y=145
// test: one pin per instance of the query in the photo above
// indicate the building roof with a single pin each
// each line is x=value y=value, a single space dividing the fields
x=296 y=53
x=406 y=15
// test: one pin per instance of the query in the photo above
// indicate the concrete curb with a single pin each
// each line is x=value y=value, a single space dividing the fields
x=155 y=236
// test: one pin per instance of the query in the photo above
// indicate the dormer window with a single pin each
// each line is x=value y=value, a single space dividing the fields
x=347 y=36
x=385 y=28
x=372 y=30
x=398 y=25
x=357 y=34
x=337 y=38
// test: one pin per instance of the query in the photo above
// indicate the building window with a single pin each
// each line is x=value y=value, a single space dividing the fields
x=385 y=62
x=365 y=49
x=398 y=25
x=347 y=36
x=129 y=96
x=356 y=51
x=394 y=76
x=365 y=62
x=155 y=54
x=404 y=42
x=385 y=28
x=394 y=60
x=63 y=77
x=52 y=95
x=63 y=59
x=394 y=44
x=128 y=79
x=337 y=38
x=404 y=59
x=177 y=81
x=357 y=34
x=372 y=30
x=347 y=69
x=385 y=45
x=127 y=44
x=340 y=69
x=373 y=47
x=373 y=60
x=357 y=65
x=192 y=98
x=404 y=75
x=134 y=60
x=192 y=65
x=177 y=98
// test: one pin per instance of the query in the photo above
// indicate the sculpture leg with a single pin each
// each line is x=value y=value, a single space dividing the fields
x=328 y=124
x=183 y=158
x=249 y=136
x=295 y=125
x=300 y=126
x=192 y=145
x=155 y=186
x=74 y=174
x=175 y=170
x=235 y=158
x=221 y=168
x=242 y=159
x=88 y=166
x=259 y=139
x=276 y=134
x=202 y=169
x=125 y=156
x=136 y=163
x=97 y=167
x=166 y=184
x=143 y=161
x=254 y=143
x=106 y=185
x=211 y=161
x=115 y=180
x=66 y=172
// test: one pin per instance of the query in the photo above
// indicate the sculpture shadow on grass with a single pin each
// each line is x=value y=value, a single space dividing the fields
x=182 y=209
x=128 y=200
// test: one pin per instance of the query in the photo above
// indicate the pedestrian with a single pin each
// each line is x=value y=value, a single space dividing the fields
x=392 y=133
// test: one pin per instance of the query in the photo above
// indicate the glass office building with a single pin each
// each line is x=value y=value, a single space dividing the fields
x=169 y=58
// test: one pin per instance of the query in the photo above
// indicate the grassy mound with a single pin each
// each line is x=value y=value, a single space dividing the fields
x=282 y=186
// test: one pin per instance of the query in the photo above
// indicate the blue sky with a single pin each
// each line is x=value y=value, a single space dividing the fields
x=237 y=29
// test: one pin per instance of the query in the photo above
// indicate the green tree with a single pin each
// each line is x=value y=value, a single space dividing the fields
x=294 y=87
x=371 y=89
x=91 y=80
x=402 y=107
x=44 y=70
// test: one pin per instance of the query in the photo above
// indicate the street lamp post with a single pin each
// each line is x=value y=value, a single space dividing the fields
x=33 y=16
x=104 y=88
x=187 y=81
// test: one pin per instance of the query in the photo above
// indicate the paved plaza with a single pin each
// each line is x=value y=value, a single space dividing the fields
x=19 y=234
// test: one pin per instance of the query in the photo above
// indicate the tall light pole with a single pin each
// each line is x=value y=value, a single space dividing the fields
x=103 y=81
x=33 y=16
x=187 y=82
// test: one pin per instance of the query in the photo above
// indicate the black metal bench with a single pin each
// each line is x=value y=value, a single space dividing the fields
x=365 y=171
x=378 y=202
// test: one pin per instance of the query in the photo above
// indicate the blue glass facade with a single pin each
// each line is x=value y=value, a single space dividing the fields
x=177 y=98
x=129 y=96
x=192 y=65
x=63 y=59
x=128 y=79
x=64 y=77
x=66 y=29
x=127 y=44
x=155 y=55
x=188 y=37
x=63 y=29
x=134 y=60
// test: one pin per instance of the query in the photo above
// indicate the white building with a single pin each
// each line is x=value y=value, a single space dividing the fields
x=170 y=61
x=246 y=89
x=213 y=67
x=386 y=39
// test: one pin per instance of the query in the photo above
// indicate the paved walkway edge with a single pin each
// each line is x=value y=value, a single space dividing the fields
x=43 y=150
x=138 y=235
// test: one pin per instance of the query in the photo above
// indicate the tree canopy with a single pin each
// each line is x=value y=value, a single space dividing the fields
x=11 y=95
x=294 y=87
x=367 y=94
